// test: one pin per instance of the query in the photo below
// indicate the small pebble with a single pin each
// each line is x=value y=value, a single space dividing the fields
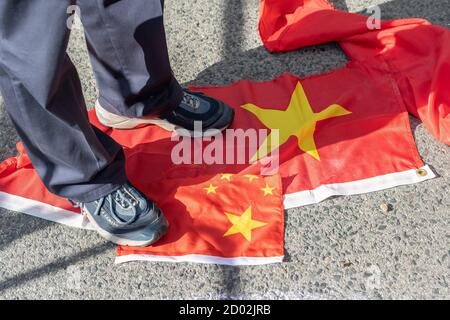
x=347 y=264
x=385 y=207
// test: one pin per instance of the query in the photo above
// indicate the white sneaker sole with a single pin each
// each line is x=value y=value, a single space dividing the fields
x=115 y=239
x=113 y=120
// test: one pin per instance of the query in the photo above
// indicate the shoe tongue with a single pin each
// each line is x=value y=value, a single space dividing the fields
x=124 y=201
x=123 y=204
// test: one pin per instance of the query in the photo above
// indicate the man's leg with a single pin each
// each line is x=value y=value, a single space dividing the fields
x=127 y=46
x=43 y=96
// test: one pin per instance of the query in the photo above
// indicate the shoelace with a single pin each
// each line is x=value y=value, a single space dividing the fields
x=191 y=100
x=124 y=202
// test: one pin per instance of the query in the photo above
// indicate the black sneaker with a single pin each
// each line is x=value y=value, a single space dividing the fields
x=197 y=115
x=126 y=217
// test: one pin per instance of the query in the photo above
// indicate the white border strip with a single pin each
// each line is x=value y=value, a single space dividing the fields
x=43 y=210
x=200 y=258
x=378 y=183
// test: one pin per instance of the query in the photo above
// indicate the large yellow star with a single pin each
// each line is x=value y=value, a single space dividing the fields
x=297 y=120
x=243 y=224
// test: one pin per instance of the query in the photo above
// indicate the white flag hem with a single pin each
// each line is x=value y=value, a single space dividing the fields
x=199 y=258
x=377 y=183
x=43 y=210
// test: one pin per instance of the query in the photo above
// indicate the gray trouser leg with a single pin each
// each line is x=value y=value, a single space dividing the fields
x=128 y=51
x=43 y=95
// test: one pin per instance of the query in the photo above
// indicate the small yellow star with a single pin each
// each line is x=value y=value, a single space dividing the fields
x=226 y=176
x=251 y=177
x=211 y=189
x=267 y=190
x=243 y=224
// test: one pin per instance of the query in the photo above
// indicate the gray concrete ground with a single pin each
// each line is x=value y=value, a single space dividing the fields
x=342 y=248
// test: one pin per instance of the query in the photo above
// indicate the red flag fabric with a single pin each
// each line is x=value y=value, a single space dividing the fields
x=415 y=53
x=22 y=190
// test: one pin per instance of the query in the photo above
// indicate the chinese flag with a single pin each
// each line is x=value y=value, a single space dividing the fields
x=224 y=219
x=340 y=133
